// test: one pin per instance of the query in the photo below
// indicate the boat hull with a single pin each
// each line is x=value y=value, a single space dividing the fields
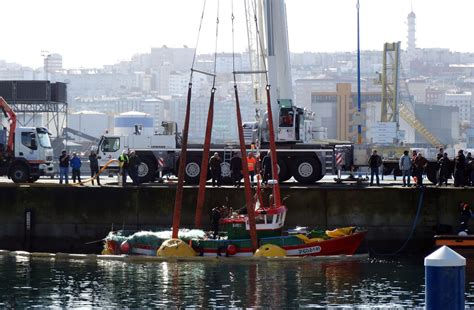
x=344 y=245
x=464 y=245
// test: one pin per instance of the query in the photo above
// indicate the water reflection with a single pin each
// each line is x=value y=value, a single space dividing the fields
x=268 y=284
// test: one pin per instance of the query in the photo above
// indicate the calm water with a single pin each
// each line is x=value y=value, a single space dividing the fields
x=36 y=282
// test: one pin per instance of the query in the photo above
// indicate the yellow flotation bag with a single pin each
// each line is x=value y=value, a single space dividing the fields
x=270 y=250
x=175 y=248
x=340 y=232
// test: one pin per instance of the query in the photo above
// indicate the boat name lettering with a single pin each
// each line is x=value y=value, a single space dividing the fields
x=314 y=249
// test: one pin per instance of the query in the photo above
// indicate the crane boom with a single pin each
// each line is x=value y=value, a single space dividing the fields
x=11 y=115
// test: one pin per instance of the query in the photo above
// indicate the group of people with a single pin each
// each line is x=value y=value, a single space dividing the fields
x=128 y=162
x=66 y=161
x=463 y=169
x=412 y=166
x=253 y=164
x=415 y=165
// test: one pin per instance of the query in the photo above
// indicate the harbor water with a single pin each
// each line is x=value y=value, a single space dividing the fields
x=33 y=282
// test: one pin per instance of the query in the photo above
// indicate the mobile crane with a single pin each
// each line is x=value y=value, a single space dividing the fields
x=25 y=152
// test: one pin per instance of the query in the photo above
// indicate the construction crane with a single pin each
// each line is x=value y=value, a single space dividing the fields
x=392 y=106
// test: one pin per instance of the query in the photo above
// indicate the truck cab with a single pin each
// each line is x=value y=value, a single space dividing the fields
x=32 y=155
x=154 y=151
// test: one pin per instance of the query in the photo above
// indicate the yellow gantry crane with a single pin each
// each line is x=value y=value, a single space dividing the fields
x=392 y=107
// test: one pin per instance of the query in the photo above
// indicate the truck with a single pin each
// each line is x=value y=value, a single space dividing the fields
x=25 y=152
x=160 y=153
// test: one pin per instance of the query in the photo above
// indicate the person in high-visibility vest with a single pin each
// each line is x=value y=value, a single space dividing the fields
x=123 y=164
x=252 y=163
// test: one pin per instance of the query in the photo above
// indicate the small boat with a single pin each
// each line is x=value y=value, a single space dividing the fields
x=463 y=244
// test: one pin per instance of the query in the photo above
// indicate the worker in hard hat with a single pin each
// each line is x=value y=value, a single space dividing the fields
x=123 y=164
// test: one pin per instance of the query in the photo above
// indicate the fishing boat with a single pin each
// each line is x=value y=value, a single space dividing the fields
x=233 y=239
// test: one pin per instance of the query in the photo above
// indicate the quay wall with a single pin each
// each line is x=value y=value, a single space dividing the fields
x=70 y=219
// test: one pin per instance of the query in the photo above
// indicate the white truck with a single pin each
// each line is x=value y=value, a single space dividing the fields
x=25 y=152
x=307 y=163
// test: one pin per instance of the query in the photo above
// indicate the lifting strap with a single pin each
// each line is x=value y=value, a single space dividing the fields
x=276 y=187
x=207 y=140
x=243 y=152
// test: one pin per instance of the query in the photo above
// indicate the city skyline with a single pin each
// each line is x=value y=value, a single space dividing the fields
x=93 y=34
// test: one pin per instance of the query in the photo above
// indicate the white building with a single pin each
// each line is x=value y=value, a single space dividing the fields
x=462 y=100
x=53 y=63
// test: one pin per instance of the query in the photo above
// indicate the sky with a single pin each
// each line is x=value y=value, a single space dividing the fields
x=92 y=33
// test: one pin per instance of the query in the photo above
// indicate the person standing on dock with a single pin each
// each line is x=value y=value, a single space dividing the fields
x=405 y=168
x=94 y=165
x=443 y=173
x=375 y=161
x=459 y=169
x=215 y=166
x=419 y=166
x=123 y=164
x=236 y=169
x=252 y=164
x=440 y=154
x=76 y=168
x=134 y=163
x=469 y=171
x=64 y=167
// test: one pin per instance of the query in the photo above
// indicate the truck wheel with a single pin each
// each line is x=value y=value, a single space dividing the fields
x=192 y=171
x=146 y=170
x=306 y=170
x=283 y=171
x=19 y=174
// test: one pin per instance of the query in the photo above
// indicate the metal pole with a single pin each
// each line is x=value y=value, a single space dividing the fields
x=359 y=126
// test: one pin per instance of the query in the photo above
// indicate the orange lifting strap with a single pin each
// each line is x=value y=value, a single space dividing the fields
x=205 y=162
x=182 y=164
x=245 y=171
x=276 y=187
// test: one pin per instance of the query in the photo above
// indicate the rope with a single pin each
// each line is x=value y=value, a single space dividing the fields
x=197 y=41
x=259 y=39
x=97 y=174
x=215 y=47
x=415 y=223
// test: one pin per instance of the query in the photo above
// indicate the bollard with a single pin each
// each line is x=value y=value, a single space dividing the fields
x=444 y=280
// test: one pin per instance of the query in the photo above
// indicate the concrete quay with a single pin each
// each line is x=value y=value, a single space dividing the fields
x=49 y=217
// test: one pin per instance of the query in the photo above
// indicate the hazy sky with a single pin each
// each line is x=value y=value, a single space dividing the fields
x=90 y=33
